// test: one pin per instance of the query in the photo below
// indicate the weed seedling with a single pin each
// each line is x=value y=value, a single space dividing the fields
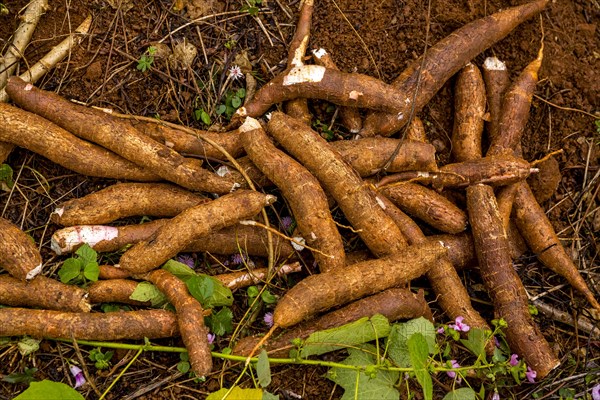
x=81 y=268
x=146 y=60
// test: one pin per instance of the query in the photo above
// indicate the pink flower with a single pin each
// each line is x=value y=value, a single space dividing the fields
x=286 y=223
x=187 y=260
x=454 y=364
x=459 y=326
x=496 y=341
x=530 y=375
x=211 y=338
x=440 y=330
x=78 y=374
x=235 y=72
x=495 y=396
x=513 y=360
x=268 y=318
x=596 y=392
x=237 y=259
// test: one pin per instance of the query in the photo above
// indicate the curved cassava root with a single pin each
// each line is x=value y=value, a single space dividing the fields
x=327 y=290
x=179 y=232
x=41 y=136
x=134 y=325
x=417 y=84
x=119 y=136
x=126 y=200
x=18 y=254
x=305 y=196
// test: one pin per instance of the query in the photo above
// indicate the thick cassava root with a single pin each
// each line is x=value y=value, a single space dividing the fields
x=18 y=254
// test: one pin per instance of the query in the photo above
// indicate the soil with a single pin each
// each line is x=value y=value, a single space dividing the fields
x=378 y=38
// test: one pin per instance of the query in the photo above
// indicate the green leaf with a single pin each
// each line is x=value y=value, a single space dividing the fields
x=209 y=291
x=221 y=322
x=399 y=335
x=87 y=254
x=6 y=175
x=263 y=369
x=269 y=396
x=241 y=93
x=25 y=377
x=461 y=394
x=145 y=291
x=418 y=351
x=205 y=117
x=476 y=342
x=358 y=384
x=183 y=367
x=360 y=331
x=236 y=393
x=268 y=297
x=236 y=102
x=221 y=108
x=91 y=271
x=70 y=270
x=252 y=292
x=178 y=269
x=49 y=390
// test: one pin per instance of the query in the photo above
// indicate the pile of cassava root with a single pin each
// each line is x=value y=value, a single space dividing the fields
x=379 y=183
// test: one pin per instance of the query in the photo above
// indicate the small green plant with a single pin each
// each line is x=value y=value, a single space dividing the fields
x=6 y=176
x=233 y=101
x=183 y=365
x=146 y=60
x=323 y=130
x=230 y=44
x=27 y=376
x=101 y=360
x=3 y=9
x=81 y=268
x=201 y=115
x=251 y=7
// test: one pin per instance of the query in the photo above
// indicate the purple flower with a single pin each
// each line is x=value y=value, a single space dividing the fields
x=237 y=259
x=211 y=338
x=459 y=326
x=187 y=260
x=268 y=318
x=530 y=375
x=235 y=72
x=496 y=341
x=286 y=223
x=441 y=330
x=495 y=396
x=513 y=360
x=78 y=374
x=596 y=392
x=454 y=364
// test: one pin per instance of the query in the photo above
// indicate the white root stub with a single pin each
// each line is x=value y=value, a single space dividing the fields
x=65 y=240
x=298 y=243
x=249 y=124
x=493 y=64
x=304 y=74
x=33 y=273
x=320 y=53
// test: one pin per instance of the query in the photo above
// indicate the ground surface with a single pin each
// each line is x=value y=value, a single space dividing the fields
x=377 y=38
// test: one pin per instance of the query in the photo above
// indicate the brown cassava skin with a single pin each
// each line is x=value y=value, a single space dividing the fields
x=427 y=205
x=133 y=325
x=503 y=284
x=251 y=240
x=498 y=170
x=190 y=319
x=305 y=196
x=349 y=116
x=515 y=109
x=42 y=292
x=445 y=282
x=442 y=61
x=126 y=200
x=117 y=135
x=114 y=291
x=5 y=150
x=394 y=304
x=298 y=108
x=497 y=80
x=41 y=136
x=111 y=272
x=469 y=109
x=461 y=250
x=186 y=143
x=357 y=201
x=368 y=156
x=317 y=82
x=416 y=131
x=321 y=292
x=180 y=231
x=539 y=234
x=19 y=255
x=241 y=279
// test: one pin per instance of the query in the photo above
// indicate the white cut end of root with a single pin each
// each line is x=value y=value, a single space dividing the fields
x=234 y=186
x=169 y=144
x=65 y=240
x=380 y=202
x=354 y=95
x=247 y=222
x=249 y=124
x=354 y=131
x=421 y=174
x=34 y=272
x=299 y=53
x=304 y=74
x=494 y=64
x=320 y=53
x=241 y=112
x=313 y=236
x=534 y=170
x=407 y=101
x=28 y=87
x=270 y=199
x=222 y=171
x=298 y=243
x=59 y=211
x=400 y=116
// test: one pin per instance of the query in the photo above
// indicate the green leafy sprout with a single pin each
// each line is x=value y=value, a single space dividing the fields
x=6 y=176
x=251 y=7
x=233 y=101
x=101 y=360
x=146 y=60
x=81 y=268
